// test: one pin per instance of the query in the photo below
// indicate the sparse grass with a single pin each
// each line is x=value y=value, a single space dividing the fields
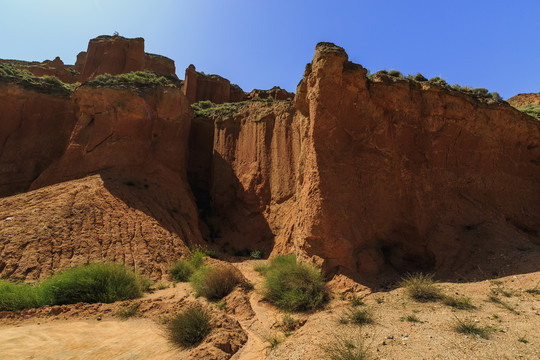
x=471 y=328
x=183 y=269
x=502 y=291
x=288 y=323
x=421 y=287
x=293 y=286
x=346 y=349
x=92 y=283
x=459 y=302
x=162 y=286
x=214 y=283
x=411 y=318
x=356 y=301
x=523 y=340
x=248 y=286
x=221 y=305
x=256 y=254
x=274 y=341
x=128 y=311
x=535 y=290
x=494 y=299
x=357 y=316
x=189 y=327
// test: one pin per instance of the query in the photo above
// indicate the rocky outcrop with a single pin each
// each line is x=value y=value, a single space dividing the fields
x=119 y=55
x=275 y=93
x=160 y=64
x=113 y=55
x=34 y=131
x=79 y=63
x=198 y=87
x=56 y=67
x=520 y=100
x=366 y=176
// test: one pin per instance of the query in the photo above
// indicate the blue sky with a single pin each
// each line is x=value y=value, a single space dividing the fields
x=259 y=44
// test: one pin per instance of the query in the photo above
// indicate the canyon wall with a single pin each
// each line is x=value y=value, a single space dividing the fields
x=106 y=170
x=364 y=176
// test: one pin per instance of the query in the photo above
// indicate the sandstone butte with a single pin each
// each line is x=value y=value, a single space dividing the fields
x=364 y=176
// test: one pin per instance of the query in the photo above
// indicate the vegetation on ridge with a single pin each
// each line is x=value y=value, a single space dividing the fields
x=438 y=81
x=136 y=79
x=532 y=110
x=43 y=84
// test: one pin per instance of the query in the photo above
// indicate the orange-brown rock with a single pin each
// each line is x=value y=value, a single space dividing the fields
x=34 y=131
x=160 y=64
x=113 y=55
x=119 y=55
x=138 y=209
x=520 y=100
x=366 y=176
x=79 y=63
x=198 y=87
x=65 y=73
x=275 y=93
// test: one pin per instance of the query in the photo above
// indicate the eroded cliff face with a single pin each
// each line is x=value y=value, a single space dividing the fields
x=34 y=131
x=364 y=176
x=520 y=100
x=111 y=180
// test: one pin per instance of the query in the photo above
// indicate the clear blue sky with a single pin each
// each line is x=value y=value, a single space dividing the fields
x=259 y=44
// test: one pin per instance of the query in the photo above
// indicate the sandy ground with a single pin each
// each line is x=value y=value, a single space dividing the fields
x=87 y=339
x=75 y=332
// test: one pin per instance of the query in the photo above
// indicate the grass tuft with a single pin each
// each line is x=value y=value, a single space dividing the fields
x=183 y=269
x=128 y=311
x=411 y=318
x=471 y=328
x=293 y=286
x=357 y=316
x=190 y=327
x=459 y=302
x=346 y=349
x=422 y=287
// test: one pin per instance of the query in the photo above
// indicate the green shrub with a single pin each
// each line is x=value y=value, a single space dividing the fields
x=99 y=282
x=293 y=286
x=214 y=283
x=421 y=287
x=480 y=91
x=346 y=349
x=395 y=73
x=256 y=254
x=189 y=327
x=183 y=269
x=420 y=77
x=89 y=283
x=18 y=296
x=438 y=81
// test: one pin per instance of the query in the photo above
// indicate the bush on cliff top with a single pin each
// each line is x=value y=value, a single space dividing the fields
x=44 y=84
x=90 y=283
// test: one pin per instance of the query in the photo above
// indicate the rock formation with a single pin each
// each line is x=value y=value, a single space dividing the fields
x=520 y=100
x=275 y=93
x=198 y=87
x=359 y=175
x=365 y=176
x=119 y=55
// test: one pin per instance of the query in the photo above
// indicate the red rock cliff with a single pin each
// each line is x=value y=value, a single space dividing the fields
x=366 y=176
x=198 y=87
